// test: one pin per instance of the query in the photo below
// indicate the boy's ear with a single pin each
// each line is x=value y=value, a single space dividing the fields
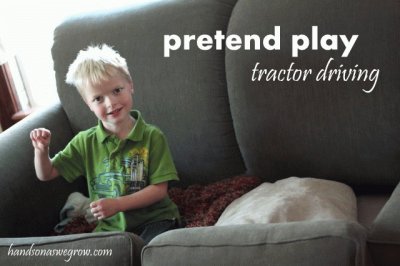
x=132 y=88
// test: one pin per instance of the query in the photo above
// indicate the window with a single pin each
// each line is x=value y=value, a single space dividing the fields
x=26 y=32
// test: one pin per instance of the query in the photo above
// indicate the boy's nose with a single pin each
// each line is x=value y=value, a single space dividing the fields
x=108 y=101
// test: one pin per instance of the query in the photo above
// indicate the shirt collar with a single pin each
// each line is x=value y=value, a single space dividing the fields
x=136 y=133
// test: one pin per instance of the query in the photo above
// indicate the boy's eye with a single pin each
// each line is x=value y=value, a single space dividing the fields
x=117 y=91
x=98 y=99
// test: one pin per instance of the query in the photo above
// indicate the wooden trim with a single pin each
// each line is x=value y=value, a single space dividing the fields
x=9 y=103
x=18 y=116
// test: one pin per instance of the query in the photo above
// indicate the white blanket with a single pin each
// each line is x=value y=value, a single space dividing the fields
x=292 y=199
x=76 y=205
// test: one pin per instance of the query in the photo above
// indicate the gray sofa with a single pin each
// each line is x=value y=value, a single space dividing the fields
x=220 y=123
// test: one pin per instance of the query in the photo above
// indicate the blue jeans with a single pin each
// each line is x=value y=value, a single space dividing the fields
x=148 y=231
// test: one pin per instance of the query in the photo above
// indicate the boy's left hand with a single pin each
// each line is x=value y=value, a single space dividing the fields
x=104 y=208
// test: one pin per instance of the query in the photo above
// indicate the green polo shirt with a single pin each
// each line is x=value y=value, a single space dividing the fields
x=115 y=168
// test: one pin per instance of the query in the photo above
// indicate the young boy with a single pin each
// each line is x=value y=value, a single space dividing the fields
x=127 y=163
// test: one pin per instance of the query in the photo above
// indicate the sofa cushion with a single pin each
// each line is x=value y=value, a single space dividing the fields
x=184 y=94
x=322 y=129
x=311 y=243
x=384 y=237
x=109 y=248
x=293 y=199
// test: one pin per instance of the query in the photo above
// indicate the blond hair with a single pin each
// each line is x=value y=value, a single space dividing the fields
x=94 y=65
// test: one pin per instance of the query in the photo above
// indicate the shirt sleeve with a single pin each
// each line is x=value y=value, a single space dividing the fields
x=161 y=165
x=69 y=162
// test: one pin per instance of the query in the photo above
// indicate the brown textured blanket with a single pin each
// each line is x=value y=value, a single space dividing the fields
x=203 y=205
x=199 y=205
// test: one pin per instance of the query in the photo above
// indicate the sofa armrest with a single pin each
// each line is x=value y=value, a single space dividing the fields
x=326 y=243
x=384 y=236
x=111 y=248
x=15 y=140
x=26 y=201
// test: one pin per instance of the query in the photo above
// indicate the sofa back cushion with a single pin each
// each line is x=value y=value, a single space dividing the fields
x=327 y=129
x=184 y=94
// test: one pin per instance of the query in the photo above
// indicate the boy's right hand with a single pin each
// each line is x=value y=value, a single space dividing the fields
x=41 y=138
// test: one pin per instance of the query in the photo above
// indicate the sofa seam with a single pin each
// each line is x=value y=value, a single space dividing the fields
x=253 y=244
x=373 y=241
x=358 y=248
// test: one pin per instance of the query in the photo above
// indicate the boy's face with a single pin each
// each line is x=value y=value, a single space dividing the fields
x=111 y=100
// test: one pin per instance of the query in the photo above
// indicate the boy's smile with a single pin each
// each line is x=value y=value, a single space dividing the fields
x=115 y=112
